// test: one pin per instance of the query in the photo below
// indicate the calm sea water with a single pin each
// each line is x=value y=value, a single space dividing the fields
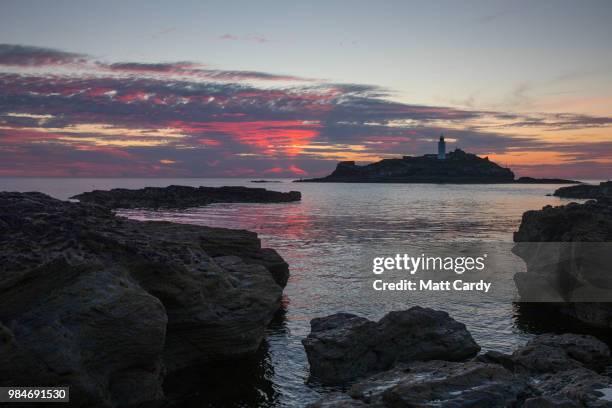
x=326 y=239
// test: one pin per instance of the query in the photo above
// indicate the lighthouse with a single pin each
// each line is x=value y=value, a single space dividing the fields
x=441 y=148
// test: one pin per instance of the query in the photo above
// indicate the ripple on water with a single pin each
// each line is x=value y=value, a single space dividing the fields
x=325 y=239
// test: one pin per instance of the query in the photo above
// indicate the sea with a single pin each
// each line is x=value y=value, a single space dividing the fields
x=329 y=239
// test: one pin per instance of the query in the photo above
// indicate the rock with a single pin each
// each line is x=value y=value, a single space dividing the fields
x=567 y=253
x=588 y=222
x=550 y=353
x=572 y=389
x=183 y=196
x=458 y=167
x=343 y=346
x=588 y=350
x=539 y=358
x=550 y=371
x=604 y=189
x=532 y=180
x=338 y=400
x=109 y=305
x=437 y=384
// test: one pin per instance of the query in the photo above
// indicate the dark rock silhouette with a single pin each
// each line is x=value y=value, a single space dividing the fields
x=550 y=353
x=109 y=306
x=567 y=253
x=343 y=346
x=604 y=189
x=458 y=167
x=183 y=196
x=532 y=180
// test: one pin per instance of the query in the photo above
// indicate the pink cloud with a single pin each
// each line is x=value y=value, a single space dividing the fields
x=230 y=37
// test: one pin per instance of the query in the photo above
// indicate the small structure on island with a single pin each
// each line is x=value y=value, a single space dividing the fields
x=441 y=148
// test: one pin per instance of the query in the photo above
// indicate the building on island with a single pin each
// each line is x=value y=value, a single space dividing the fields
x=441 y=148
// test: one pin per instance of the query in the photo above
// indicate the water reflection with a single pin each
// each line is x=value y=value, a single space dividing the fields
x=327 y=238
x=538 y=318
x=245 y=382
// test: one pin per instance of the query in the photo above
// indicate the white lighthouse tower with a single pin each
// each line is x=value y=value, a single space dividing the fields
x=441 y=148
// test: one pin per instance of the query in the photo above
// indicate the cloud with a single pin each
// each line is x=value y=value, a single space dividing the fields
x=25 y=56
x=229 y=37
x=258 y=38
x=186 y=119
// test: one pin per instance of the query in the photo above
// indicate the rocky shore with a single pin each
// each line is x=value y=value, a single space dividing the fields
x=427 y=359
x=430 y=362
x=183 y=196
x=574 y=239
x=110 y=306
x=603 y=190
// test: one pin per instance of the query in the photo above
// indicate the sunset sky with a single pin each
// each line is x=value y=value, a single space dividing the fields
x=287 y=89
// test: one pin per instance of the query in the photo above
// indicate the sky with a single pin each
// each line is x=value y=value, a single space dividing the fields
x=288 y=89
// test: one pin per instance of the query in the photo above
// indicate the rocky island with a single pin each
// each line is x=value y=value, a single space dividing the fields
x=183 y=196
x=110 y=306
x=456 y=167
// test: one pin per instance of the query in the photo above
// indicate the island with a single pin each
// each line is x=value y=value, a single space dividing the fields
x=457 y=166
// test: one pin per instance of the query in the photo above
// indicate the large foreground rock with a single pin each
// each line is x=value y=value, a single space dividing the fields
x=568 y=254
x=550 y=371
x=109 y=305
x=343 y=346
x=183 y=196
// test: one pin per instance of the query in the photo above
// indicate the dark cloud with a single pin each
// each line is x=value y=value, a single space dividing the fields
x=144 y=67
x=563 y=121
x=25 y=56
x=195 y=70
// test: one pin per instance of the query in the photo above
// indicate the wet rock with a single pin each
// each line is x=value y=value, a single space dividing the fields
x=437 y=383
x=183 y=196
x=343 y=346
x=547 y=372
x=588 y=350
x=109 y=305
x=572 y=389
x=338 y=400
x=550 y=353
